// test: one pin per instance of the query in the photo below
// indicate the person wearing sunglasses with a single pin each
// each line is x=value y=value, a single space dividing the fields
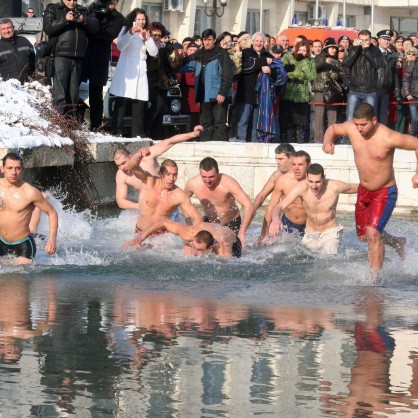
x=410 y=88
x=30 y=13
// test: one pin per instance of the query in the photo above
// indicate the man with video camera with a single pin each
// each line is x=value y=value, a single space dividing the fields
x=95 y=66
x=67 y=26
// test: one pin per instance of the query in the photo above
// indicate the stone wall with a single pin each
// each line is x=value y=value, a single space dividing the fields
x=250 y=164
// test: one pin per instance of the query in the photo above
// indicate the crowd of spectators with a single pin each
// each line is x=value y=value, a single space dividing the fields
x=243 y=87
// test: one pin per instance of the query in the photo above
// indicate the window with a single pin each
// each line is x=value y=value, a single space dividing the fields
x=350 y=21
x=154 y=12
x=300 y=18
x=253 y=21
x=201 y=21
x=404 y=24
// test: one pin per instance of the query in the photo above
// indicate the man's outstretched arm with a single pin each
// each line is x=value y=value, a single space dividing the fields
x=265 y=191
x=164 y=145
x=276 y=223
x=122 y=191
x=133 y=164
x=331 y=134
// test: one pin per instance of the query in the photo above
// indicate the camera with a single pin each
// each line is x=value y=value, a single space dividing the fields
x=76 y=13
x=359 y=42
x=100 y=6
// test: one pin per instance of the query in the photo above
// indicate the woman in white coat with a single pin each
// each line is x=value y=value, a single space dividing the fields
x=130 y=83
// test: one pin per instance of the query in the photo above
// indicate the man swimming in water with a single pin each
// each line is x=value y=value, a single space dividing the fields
x=374 y=146
x=219 y=193
x=294 y=217
x=200 y=239
x=17 y=202
x=320 y=198
x=149 y=163
x=160 y=196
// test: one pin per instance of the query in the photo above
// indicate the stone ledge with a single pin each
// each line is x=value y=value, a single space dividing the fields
x=103 y=151
x=43 y=156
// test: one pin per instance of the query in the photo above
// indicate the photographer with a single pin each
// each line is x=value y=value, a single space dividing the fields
x=363 y=63
x=67 y=26
x=161 y=71
x=95 y=66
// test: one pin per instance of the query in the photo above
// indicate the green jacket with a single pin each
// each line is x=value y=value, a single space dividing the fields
x=298 y=84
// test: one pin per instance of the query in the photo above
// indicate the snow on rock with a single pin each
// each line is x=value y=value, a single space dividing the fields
x=21 y=122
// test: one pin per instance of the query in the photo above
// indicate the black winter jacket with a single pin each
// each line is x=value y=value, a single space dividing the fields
x=96 y=62
x=17 y=58
x=71 y=36
x=363 y=65
x=410 y=80
x=251 y=68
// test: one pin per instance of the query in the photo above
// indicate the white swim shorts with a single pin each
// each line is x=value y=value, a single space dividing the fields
x=326 y=242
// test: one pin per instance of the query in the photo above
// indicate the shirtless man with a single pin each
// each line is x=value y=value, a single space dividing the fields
x=201 y=238
x=320 y=198
x=373 y=146
x=219 y=193
x=159 y=196
x=149 y=163
x=17 y=202
x=284 y=154
x=294 y=218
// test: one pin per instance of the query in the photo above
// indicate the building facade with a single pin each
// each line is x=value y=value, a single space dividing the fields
x=188 y=17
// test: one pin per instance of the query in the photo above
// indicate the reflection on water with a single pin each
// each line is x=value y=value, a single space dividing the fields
x=98 y=331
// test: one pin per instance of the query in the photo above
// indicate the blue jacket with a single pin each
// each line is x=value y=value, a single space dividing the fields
x=217 y=76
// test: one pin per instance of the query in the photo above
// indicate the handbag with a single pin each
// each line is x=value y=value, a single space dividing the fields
x=45 y=67
x=333 y=92
x=45 y=61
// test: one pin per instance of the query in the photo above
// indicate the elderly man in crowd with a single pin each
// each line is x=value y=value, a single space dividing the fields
x=17 y=56
x=254 y=61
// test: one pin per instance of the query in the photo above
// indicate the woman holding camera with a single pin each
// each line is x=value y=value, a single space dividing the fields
x=130 y=82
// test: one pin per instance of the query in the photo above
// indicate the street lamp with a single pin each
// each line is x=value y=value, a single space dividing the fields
x=215 y=7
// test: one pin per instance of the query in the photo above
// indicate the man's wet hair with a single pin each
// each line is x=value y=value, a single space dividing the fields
x=302 y=153
x=285 y=149
x=12 y=156
x=205 y=237
x=208 y=164
x=167 y=163
x=121 y=151
x=316 y=169
x=364 y=111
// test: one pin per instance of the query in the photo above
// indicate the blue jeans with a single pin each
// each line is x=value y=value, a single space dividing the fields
x=355 y=98
x=245 y=110
x=413 y=108
x=65 y=89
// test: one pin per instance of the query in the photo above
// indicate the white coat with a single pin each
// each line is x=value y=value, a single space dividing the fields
x=130 y=78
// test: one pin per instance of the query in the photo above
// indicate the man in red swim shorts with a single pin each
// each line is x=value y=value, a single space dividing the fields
x=374 y=146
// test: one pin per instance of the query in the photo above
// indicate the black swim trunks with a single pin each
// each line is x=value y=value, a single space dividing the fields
x=25 y=247
x=291 y=227
x=234 y=225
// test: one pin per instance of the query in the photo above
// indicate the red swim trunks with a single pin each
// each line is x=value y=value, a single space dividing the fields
x=374 y=208
x=138 y=232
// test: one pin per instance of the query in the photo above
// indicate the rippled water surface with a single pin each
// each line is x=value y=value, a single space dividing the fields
x=102 y=331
